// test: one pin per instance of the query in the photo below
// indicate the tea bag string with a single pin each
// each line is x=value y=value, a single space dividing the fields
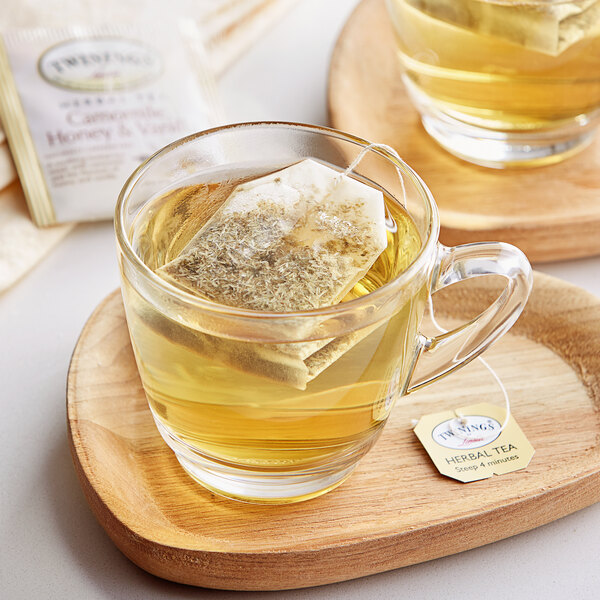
x=462 y=419
x=350 y=168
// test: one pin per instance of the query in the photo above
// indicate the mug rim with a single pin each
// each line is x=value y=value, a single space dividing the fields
x=202 y=304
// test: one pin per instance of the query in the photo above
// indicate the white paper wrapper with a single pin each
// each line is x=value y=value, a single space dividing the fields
x=113 y=95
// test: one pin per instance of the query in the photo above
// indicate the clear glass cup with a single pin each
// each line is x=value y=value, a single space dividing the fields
x=503 y=82
x=252 y=437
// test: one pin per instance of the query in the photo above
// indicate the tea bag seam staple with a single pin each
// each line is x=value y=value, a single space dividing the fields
x=460 y=418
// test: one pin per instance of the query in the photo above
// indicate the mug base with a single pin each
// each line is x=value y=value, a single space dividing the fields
x=500 y=149
x=271 y=488
x=262 y=487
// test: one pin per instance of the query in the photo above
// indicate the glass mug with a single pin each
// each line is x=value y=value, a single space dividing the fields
x=499 y=82
x=224 y=396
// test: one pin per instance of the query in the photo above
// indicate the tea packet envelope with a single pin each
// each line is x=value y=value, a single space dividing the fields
x=549 y=29
x=82 y=106
x=294 y=240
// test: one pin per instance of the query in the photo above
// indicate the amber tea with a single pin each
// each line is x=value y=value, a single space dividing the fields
x=265 y=406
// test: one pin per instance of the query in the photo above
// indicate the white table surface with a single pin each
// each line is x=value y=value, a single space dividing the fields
x=50 y=544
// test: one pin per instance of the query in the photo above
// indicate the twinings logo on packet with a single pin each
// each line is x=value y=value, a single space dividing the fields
x=100 y=64
x=476 y=432
x=474 y=447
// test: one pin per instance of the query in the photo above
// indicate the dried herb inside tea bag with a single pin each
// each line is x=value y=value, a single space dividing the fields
x=297 y=239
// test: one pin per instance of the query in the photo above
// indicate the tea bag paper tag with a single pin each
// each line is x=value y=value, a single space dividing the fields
x=476 y=448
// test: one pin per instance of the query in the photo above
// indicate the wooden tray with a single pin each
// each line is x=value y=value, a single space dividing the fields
x=551 y=213
x=395 y=510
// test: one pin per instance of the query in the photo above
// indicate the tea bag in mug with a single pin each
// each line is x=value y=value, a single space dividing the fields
x=549 y=29
x=297 y=239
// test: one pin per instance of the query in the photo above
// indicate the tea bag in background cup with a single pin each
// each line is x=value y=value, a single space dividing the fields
x=546 y=27
x=503 y=84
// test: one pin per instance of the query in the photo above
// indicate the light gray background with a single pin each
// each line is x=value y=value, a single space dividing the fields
x=51 y=545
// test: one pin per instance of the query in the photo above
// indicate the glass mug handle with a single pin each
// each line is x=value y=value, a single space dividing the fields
x=444 y=353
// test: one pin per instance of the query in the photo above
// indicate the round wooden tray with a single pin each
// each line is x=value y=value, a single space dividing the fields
x=551 y=213
x=396 y=509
